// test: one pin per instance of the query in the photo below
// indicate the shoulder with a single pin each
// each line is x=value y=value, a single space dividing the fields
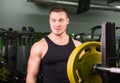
x=39 y=47
x=39 y=43
x=76 y=42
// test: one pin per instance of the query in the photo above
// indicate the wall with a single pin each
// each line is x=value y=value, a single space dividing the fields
x=18 y=13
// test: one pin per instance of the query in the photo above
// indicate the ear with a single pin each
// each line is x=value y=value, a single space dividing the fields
x=68 y=20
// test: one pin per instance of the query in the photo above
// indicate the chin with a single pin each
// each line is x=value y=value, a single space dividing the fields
x=58 y=34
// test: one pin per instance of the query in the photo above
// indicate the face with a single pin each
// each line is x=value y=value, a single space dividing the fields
x=58 y=22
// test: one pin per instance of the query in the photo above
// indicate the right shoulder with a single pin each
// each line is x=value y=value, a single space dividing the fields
x=39 y=44
x=39 y=47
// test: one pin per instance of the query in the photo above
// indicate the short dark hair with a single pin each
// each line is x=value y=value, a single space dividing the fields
x=59 y=8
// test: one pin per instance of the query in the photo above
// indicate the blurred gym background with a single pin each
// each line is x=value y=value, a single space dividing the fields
x=23 y=22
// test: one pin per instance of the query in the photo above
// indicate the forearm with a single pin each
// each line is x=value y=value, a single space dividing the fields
x=30 y=79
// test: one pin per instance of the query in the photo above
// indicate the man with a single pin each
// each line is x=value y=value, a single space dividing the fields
x=52 y=52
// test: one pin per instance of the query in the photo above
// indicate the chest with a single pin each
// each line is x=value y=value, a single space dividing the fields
x=57 y=54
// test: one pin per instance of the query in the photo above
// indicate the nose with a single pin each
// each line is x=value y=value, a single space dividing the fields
x=57 y=23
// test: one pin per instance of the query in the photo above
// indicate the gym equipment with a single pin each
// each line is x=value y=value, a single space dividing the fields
x=109 y=55
x=23 y=49
x=95 y=62
x=17 y=77
x=93 y=35
x=118 y=46
x=80 y=65
x=1 y=45
x=79 y=37
x=4 y=72
x=8 y=53
x=82 y=37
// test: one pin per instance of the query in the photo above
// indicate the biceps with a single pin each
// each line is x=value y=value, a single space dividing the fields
x=33 y=65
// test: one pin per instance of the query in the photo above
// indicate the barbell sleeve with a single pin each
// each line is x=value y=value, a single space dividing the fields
x=111 y=70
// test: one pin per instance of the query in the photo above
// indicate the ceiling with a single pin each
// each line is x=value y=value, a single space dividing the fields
x=108 y=5
x=114 y=2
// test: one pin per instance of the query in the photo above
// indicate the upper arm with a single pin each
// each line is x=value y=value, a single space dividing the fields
x=34 y=60
x=76 y=42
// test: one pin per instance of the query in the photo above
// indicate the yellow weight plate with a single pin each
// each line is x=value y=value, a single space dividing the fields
x=81 y=62
x=4 y=73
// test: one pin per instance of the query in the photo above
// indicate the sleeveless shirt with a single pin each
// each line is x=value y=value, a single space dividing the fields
x=54 y=63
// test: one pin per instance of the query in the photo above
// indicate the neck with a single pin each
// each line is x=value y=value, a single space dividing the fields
x=59 y=39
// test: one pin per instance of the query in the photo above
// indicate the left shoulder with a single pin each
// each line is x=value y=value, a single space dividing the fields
x=76 y=42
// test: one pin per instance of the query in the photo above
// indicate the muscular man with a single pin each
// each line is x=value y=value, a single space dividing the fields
x=52 y=51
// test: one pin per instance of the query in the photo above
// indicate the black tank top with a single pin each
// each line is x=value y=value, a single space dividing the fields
x=54 y=63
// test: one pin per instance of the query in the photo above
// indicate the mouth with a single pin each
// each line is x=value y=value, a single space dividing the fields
x=58 y=29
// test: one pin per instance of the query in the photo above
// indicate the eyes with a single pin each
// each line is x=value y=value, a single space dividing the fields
x=59 y=20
